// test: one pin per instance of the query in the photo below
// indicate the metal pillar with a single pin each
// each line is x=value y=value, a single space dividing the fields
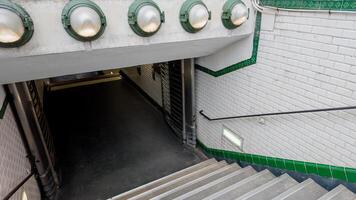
x=189 y=109
x=35 y=139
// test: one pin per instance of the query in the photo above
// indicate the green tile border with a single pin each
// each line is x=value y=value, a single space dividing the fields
x=4 y=106
x=328 y=171
x=241 y=64
x=312 y=4
x=346 y=5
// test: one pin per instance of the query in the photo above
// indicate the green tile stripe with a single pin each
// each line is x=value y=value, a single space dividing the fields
x=347 y=5
x=329 y=171
x=312 y=4
x=4 y=106
x=241 y=64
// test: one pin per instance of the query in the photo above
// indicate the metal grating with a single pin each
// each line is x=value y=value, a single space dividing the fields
x=172 y=96
x=42 y=120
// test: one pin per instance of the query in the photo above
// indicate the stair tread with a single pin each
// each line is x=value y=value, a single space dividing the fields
x=219 y=184
x=198 y=182
x=270 y=189
x=240 y=188
x=163 y=180
x=179 y=181
x=340 y=192
x=308 y=189
x=211 y=180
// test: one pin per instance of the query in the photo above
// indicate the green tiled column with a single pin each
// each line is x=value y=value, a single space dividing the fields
x=329 y=171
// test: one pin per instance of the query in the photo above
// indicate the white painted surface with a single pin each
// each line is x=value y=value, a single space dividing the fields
x=234 y=52
x=229 y=55
x=145 y=81
x=307 y=61
x=52 y=52
x=268 y=20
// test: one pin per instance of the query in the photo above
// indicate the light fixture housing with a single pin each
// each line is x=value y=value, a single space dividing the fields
x=233 y=138
x=189 y=8
x=18 y=15
x=90 y=12
x=235 y=13
x=145 y=17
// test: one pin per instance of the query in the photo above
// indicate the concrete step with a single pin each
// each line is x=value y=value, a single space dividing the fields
x=149 y=194
x=305 y=190
x=270 y=189
x=339 y=193
x=198 y=182
x=217 y=185
x=211 y=180
x=163 y=180
x=242 y=187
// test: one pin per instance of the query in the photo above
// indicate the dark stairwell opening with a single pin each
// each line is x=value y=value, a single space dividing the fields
x=109 y=139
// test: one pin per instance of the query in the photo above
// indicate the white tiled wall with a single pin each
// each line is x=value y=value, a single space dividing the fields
x=14 y=166
x=146 y=82
x=307 y=61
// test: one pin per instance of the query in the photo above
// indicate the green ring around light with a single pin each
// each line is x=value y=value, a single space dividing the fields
x=26 y=21
x=226 y=15
x=133 y=12
x=70 y=7
x=184 y=15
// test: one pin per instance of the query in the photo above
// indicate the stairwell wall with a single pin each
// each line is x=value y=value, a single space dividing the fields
x=145 y=81
x=305 y=60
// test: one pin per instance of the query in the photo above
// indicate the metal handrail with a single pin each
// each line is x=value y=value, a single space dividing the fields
x=277 y=113
x=13 y=191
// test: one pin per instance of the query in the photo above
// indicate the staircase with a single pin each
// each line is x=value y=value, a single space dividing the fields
x=218 y=180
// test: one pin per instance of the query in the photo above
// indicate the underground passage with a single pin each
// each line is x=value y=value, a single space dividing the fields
x=177 y=100
x=111 y=139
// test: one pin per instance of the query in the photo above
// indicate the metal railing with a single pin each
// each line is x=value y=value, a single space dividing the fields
x=277 y=113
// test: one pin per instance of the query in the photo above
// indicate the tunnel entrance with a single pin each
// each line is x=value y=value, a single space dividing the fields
x=116 y=130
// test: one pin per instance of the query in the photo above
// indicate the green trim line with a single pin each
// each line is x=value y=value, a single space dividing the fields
x=328 y=171
x=312 y=4
x=241 y=64
x=4 y=106
x=346 y=5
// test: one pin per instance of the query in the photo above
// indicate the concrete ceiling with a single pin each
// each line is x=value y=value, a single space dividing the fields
x=52 y=52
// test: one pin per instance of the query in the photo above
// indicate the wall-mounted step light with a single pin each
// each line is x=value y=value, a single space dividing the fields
x=194 y=15
x=235 y=13
x=16 y=26
x=233 y=138
x=83 y=20
x=145 y=17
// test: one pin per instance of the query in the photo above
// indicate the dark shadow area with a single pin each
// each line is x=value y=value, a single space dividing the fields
x=110 y=139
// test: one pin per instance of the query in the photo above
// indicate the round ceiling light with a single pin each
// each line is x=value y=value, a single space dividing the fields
x=83 y=20
x=194 y=15
x=235 y=13
x=16 y=26
x=145 y=17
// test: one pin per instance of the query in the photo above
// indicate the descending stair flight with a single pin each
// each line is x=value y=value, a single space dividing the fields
x=210 y=180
